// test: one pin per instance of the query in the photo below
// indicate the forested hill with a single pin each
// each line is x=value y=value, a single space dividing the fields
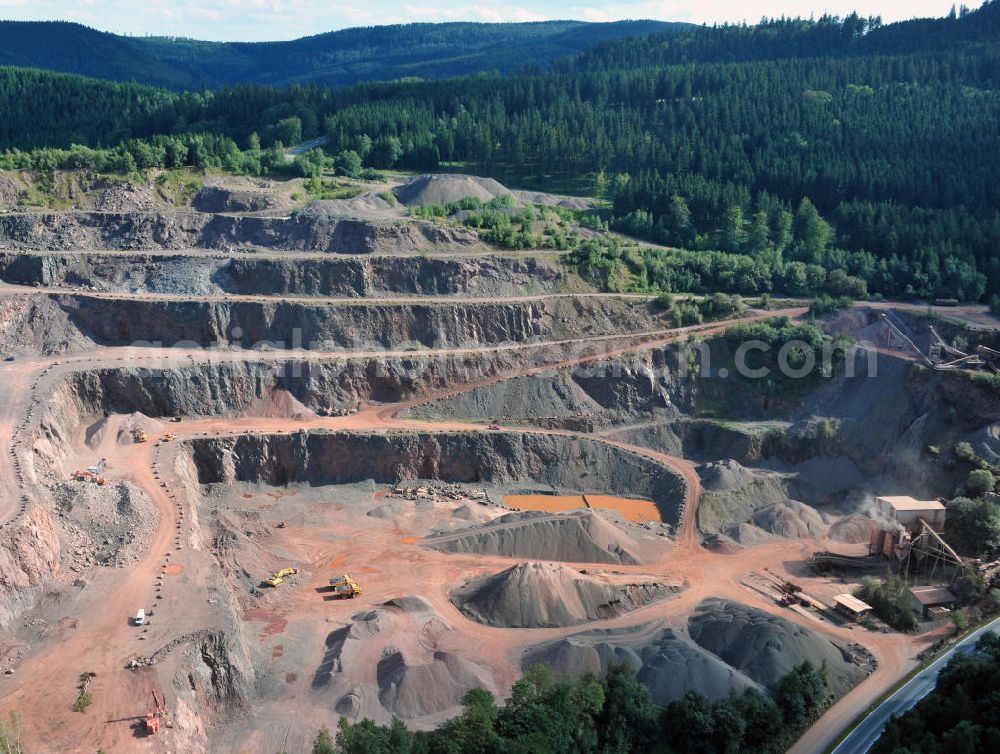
x=791 y=38
x=333 y=59
x=868 y=167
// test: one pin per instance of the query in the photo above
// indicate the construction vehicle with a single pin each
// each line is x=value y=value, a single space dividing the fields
x=176 y=420
x=345 y=587
x=493 y=425
x=278 y=577
x=139 y=435
x=98 y=467
x=88 y=476
x=169 y=437
x=153 y=718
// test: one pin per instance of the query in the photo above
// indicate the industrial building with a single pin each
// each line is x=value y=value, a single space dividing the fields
x=900 y=518
x=931 y=601
x=851 y=607
x=908 y=532
x=906 y=511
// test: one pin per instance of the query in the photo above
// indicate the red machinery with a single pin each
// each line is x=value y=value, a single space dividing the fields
x=153 y=718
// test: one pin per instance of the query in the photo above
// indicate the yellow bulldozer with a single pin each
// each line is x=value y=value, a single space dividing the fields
x=345 y=587
x=139 y=435
x=278 y=577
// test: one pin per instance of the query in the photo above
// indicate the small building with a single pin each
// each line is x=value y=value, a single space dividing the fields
x=939 y=614
x=904 y=511
x=927 y=598
x=851 y=607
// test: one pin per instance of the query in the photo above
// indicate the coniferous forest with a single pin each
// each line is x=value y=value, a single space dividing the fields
x=837 y=155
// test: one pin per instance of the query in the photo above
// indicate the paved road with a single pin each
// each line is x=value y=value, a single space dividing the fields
x=864 y=736
x=304 y=147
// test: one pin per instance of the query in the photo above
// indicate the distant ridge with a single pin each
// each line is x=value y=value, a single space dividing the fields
x=336 y=58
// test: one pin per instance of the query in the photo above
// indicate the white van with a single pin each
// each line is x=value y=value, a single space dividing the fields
x=140 y=617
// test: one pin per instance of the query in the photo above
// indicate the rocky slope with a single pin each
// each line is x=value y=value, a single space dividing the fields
x=29 y=556
x=64 y=320
x=210 y=274
x=312 y=229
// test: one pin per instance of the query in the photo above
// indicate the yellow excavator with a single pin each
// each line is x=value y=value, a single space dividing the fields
x=139 y=435
x=278 y=577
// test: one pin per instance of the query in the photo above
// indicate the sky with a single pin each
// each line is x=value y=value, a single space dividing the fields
x=253 y=20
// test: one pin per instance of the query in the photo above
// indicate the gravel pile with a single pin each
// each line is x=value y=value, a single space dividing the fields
x=540 y=595
x=445 y=189
x=575 y=537
x=117 y=520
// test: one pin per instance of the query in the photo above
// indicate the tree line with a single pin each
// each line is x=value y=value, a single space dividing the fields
x=960 y=715
x=613 y=714
x=872 y=154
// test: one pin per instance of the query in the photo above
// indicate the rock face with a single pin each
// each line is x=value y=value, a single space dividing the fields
x=212 y=274
x=222 y=199
x=294 y=324
x=606 y=391
x=727 y=646
x=539 y=595
x=495 y=457
x=253 y=324
x=29 y=555
x=573 y=537
x=226 y=672
x=233 y=388
x=312 y=229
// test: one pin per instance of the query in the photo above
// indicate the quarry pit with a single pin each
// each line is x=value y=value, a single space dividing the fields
x=514 y=466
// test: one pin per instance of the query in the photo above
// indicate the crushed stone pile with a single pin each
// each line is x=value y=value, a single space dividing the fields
x=853 y=529
x=576 y=537
x=445 y=189
x=539 y=595
x=791 y=519
x=553 y=200
x=364 y=206
x=278 y=403
x=724 y=476
x=118 y=196
x=114 y=523
x=666 y=661
x=415 y=690
x=10 y=192
x=766 y=647
x=413 y=678
x=727 y=646
x=131 y=422
x=223 y=199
